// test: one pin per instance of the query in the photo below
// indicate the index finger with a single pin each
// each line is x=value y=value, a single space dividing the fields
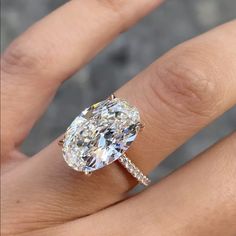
x=49 y=52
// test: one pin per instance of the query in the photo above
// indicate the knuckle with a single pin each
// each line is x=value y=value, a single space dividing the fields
x=22 y=57
x=116 y=7
x=186 y=84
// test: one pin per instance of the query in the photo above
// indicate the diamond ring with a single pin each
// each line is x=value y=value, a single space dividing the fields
x=102 y=134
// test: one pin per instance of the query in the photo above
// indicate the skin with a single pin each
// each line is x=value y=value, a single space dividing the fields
x=177 y=95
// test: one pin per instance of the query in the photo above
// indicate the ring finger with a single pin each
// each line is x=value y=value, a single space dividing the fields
x=198 y=199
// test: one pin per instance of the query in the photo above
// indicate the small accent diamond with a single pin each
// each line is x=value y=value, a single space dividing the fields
x=133 y=170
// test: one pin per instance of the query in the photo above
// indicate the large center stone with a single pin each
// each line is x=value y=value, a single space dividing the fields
x=100 y=134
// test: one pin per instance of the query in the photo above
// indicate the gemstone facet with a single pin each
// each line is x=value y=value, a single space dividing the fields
x=100 y=135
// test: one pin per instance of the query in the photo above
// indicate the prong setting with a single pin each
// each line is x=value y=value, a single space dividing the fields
x=87 y=173
x=60 y=142
x=100 y=135
x=112 y=97
x=140 y=125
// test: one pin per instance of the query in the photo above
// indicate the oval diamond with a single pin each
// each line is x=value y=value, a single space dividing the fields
x=100 y=134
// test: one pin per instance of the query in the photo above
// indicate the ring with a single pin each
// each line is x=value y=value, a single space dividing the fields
x=102 y=134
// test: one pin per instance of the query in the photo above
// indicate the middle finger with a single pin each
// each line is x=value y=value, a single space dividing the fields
x=44 y=56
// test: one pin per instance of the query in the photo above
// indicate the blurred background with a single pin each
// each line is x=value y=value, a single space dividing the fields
x=174 y=22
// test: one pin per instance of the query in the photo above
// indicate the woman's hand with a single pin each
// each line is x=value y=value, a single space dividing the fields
x=177 y=95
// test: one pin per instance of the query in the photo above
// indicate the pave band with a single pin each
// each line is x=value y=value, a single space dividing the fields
x=102 y=134
x=134 y=170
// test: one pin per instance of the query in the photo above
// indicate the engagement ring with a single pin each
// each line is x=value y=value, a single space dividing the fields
x=102 y=134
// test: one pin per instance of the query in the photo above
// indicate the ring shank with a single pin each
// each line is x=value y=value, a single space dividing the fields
x=134 y=170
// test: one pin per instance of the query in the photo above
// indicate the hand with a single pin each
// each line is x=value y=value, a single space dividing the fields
x=177 y=95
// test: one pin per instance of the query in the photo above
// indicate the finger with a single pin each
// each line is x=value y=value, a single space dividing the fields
x=198 y=199
x=49 y=52
x=178 y=95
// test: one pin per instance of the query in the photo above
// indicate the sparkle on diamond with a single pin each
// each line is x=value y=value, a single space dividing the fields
x=100 y=135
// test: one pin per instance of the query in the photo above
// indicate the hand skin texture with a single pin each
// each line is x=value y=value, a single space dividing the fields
x=177 y=95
